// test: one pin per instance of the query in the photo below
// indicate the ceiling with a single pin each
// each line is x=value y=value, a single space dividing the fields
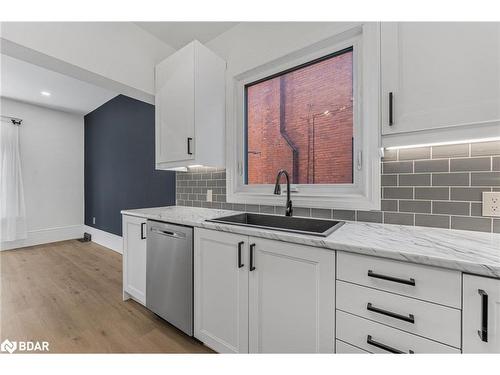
x=24 y=82
x=178 y=34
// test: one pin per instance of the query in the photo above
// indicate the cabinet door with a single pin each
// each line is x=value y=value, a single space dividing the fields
x=134 y=258
x=174 y=107
x=440 y=74
x=291 y=298
x=221 y=290
x=481 y=315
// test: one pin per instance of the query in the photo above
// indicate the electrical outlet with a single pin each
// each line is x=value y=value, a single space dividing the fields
x=209 y=195
x=93 y=220
x=491 y=203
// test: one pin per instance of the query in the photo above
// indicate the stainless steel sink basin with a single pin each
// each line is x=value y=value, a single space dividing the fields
x=302 y=225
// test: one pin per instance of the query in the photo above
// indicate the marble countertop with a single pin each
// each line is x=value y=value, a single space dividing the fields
x=466 y=251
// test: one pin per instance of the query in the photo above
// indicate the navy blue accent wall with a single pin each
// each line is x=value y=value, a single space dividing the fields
x=120 y=163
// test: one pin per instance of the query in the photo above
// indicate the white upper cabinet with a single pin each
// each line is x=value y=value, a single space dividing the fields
x=190 y=109
x=444 y=79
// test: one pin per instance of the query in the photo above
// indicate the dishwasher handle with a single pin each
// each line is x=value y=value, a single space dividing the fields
x=168 y=233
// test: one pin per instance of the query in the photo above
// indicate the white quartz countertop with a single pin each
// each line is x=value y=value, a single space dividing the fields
x=466 y=251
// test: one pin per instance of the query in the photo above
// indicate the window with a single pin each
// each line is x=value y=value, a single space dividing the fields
x=301 y=120
x=314 y=112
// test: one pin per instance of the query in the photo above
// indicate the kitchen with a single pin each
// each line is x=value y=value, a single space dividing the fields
x=265 y=187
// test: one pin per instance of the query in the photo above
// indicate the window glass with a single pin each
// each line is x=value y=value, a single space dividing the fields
x=302 y=120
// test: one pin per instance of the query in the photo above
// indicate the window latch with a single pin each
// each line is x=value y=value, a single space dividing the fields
x=360 y=160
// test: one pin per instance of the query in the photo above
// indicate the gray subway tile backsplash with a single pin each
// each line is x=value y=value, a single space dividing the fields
x=451 y=208
x=433 y=193
x=496 y=225
x=370 y=216
x=397 y=192
x=485 y=179
x=321 y=213
x=495 y=164
x=389 y=205
x=433 y=221
x=450 y=179
x=415 y=153
x=398 y=218
x=415 y=206
x=344 y=215
x=415 y=179
x=485 y=148
x=470 y=164
x=440 y=165
x=439 y=186
x=450 y=151
x=481 y=224
x=467 y=193
x=389 y=180
x=397 y=167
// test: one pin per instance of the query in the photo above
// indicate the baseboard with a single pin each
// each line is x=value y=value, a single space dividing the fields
x=43 y=236
x=106 y=239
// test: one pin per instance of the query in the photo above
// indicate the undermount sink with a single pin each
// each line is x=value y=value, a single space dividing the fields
x=302 y=225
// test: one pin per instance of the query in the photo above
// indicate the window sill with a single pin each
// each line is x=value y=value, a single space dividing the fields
x=343 y=201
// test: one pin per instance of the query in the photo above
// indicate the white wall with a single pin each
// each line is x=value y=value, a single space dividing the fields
x=121 y=51
x=251 y=44
x=52 y=157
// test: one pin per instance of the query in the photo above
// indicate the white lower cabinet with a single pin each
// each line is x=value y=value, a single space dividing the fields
x=134 y=258
x=291 y=298
x=387 y=306
x=253 y=295
x=345 y=348
x=481 y=314
x=379 y=338
x=274 y=298
x=221 y=290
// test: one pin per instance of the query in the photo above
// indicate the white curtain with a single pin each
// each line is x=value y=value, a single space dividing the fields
x=12 y=208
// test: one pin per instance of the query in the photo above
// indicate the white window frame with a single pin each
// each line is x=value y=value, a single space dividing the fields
x=364 y=192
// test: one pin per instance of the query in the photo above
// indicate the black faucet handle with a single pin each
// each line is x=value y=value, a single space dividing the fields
x=289 y=209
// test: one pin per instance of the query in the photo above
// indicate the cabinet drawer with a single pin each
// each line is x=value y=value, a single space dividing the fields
x=345 y=348
x=426 y=283
x=378 y=338
x=425 y=319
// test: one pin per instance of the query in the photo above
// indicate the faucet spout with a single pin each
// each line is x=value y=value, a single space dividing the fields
x=277 y=191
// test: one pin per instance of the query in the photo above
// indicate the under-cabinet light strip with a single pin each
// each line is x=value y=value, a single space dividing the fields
x=444 y=143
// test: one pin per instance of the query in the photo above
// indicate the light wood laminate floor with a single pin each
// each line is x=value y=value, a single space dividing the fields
x=70 y=294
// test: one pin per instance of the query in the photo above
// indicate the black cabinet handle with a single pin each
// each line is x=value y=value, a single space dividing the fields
x=143 y=237
x=410 y=318
x=391 y=278
x=240 y=245
x=385 y=347
x=391 y=109
x=252 y=248
x=483 y=332
x=189 y=146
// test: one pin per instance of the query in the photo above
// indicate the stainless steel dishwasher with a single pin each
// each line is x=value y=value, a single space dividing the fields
x=169 y=276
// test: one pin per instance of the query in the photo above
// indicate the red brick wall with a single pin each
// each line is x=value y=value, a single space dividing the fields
x=324 y=142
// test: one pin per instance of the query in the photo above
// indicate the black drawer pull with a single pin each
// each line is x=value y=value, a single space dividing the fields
x=240 y=245
x=385 y=347
x=391 y=278
x=483 y=332
x=391 y=109
x=189 y=146
x=410 y=318
x=143 y=237
x=252 y=248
